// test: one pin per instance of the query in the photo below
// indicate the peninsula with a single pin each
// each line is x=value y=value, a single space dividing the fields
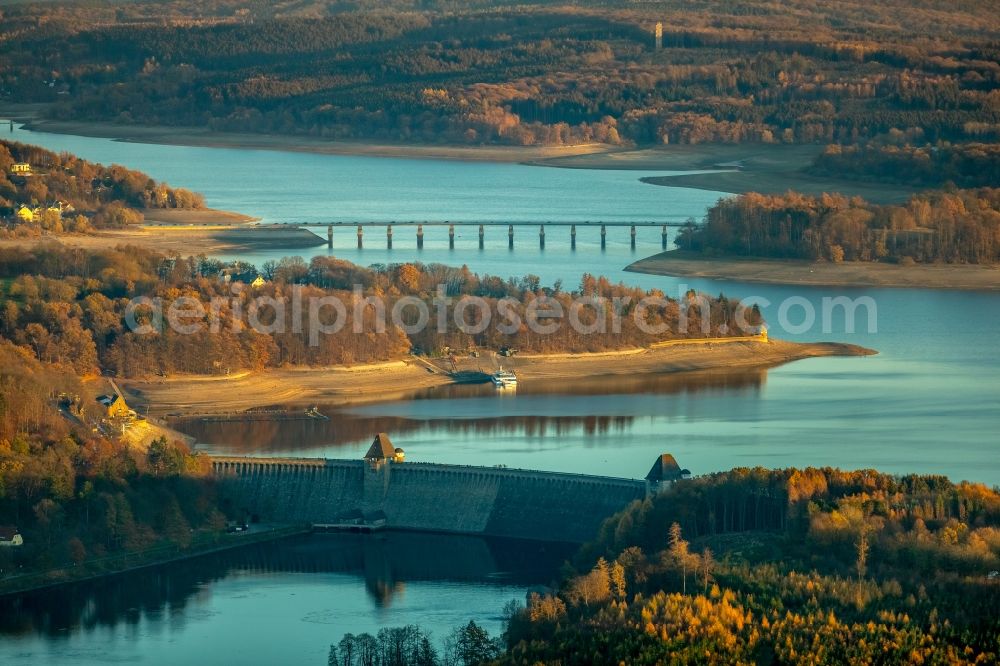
x=193 y=395
x=937 y=239
x=855 y=274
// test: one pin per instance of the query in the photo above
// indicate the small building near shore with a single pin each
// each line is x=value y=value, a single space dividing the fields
x=258 y=282
x=114 y=406
x=20 y=169
x=664 y=473
x=25 y=214
x=10 y=537
x=382 y=451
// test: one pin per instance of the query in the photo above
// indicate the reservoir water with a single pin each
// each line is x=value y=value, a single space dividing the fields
x=929 y=402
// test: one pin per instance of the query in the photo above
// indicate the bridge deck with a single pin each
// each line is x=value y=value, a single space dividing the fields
x=491 y=223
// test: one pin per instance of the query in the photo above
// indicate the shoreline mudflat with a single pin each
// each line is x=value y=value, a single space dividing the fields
x=196 y=217
x=732 y=168
x=32 y=117
x=813 y=274
x=225 y=232
x=192 y=395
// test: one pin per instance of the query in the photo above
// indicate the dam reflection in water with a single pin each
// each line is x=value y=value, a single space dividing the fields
x=308 y=590
x=591 y=408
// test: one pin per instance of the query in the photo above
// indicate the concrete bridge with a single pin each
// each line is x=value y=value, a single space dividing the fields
x=382 y=492
x=541 y=225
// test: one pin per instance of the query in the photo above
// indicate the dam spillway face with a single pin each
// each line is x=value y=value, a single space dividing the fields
x=548 y=506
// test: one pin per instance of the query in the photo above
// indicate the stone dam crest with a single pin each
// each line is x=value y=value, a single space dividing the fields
x=383 y=491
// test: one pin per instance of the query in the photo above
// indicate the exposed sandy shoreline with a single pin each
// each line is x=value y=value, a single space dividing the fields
x=186 y=395
x=737 y=168
x=195 y=218
x=209 y=234
x=807 y=273
x=31 y=116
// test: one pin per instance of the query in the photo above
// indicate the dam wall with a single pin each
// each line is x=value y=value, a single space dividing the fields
x=490 y=501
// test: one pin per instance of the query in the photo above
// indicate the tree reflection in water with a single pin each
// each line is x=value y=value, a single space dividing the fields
x=386 y=561
x=348 y=430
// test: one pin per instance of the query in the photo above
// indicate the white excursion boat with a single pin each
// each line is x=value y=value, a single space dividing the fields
x=503 y=379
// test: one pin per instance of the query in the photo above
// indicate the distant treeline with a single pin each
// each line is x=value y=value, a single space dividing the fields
x=527 y=73
x=961 y=226
x=108 y=196
x=962 y=165
x=69 y=306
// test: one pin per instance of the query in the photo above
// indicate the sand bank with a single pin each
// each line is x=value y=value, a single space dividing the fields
x=32 y=115
x=186 y=395
x=737 y=168
x=200 y=217
x=808 y=273
x=178 y=238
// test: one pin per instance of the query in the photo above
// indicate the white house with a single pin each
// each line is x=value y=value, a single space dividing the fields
x=9 y=536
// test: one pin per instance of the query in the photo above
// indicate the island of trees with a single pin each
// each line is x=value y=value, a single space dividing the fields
x=956 y=226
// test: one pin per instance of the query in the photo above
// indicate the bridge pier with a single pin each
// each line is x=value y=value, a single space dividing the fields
x=663 y=237
x=510 y=237
x=451 y=236
x=482 y=235
x=329 y=236
x=633 y=236
x=420 y=236
x=361 y=234
x=541 y=237
x=572 y=237
x=604 y=237
x=388 y=237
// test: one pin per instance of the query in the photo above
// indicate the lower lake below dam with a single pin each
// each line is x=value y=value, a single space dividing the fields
x=283 y=602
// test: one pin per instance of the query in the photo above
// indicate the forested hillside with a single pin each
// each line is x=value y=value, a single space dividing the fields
x=782 y=566
x=528 y=73
x=69 y=306
x=68 y=193
x=75 y=495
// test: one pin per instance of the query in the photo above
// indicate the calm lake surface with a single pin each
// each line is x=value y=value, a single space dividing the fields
x=277 y=603
x=928 y=403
